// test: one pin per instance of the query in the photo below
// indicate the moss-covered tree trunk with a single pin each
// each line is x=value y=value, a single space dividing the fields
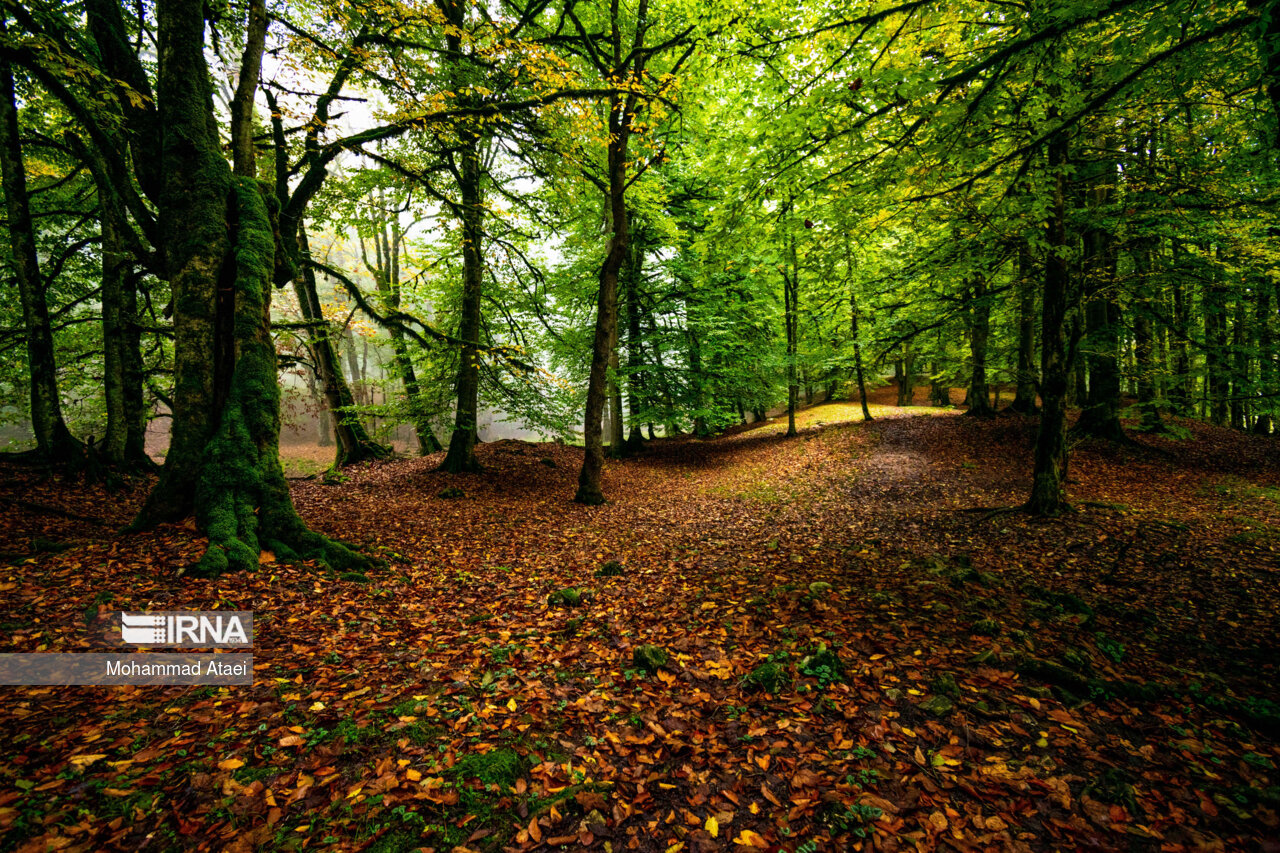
x=53 y=440
x=220 y=247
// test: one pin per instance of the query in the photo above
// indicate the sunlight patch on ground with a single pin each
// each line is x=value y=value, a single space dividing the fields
x=846 y=413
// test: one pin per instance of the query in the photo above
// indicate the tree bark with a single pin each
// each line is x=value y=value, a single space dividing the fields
x=386 y=275
x=589 y=489
x=791 y=310
x=1024 y=401
x=1266 y=358
x=1101 y=414
x=635 y=375
x=354 y=444
x=853 y=331
x=125 y=439
x=462 y=443
x=1048 y=492
x=221 y=249
x=53 y=440
x=244 y=160
x=979 y=336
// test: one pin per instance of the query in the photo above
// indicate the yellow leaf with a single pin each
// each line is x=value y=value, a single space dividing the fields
x=414 y=775
x=86 y=760
x=230 y=764
x=511 y=704
x=750 y=838
x=318 y=706
x=712 y=826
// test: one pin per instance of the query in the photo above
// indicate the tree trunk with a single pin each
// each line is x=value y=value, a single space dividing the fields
x=979 y=335
x=462 y=444
x=857 y=356
x=589 y=490
x=354 y=444
x=790 y=296
x=939 y=393
x=221 y=252
x=1144 y=342
x=635 y=376
x=1217 y=382
x=1266 y=359
x=617 y=421
x=1048 y=493
x=1024 y=401
x=53 y=440
x=387 y=238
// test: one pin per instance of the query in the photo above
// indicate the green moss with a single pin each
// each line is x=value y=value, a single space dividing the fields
x=241 y=489
x=771 y=677
x=649 y=659
x=985 y=628
x=497 y=767
x=945 y=684
x=611 y=569
x=568 y=597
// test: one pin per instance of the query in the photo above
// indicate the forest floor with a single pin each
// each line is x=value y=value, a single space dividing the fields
x=1105 y=680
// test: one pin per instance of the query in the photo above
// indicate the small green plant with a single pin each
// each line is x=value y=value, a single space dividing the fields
x=852 y=819
x=1109 y=647
x=824 y=665
x=333 y=477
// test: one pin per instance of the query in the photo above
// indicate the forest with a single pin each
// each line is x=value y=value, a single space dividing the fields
x=642 y=424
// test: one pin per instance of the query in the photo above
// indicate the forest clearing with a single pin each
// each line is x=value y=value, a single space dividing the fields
x=657 y=425
x=1103 y=680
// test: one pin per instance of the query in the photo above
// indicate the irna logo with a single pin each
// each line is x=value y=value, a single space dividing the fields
x=206 y=629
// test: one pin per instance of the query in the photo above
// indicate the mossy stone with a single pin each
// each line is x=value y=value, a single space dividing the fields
x=611 y=569
x=771 y=677
x=452 y=493
x=818 y=589
x=945 y=684
x=985 y=628
x=649 y=658
x=938 y=705
x=568 y=597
